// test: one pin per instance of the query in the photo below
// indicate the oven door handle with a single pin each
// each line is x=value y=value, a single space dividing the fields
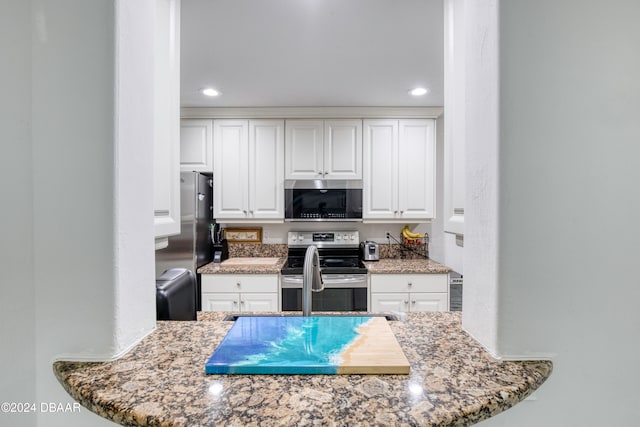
x=330 y=281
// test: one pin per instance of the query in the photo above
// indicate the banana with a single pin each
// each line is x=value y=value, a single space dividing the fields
x=406 y=232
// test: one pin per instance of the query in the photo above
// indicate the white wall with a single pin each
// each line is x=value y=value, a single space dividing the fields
x=480 y=299
x=78 y=235
x=567 y=251
x=17 y=311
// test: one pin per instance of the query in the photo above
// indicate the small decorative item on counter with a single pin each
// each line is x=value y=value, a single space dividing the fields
x=244 y=235
x=411 y=238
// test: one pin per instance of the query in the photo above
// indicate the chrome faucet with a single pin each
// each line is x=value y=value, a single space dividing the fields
x=311 y=278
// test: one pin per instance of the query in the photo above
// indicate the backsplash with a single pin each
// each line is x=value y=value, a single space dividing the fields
x=280 y=250
x=257 y=250
x=397 y=251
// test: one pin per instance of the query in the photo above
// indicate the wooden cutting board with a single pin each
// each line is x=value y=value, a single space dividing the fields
x=250 y=261
x=309 y=345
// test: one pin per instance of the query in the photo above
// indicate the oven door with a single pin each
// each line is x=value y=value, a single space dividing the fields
x=342 y=292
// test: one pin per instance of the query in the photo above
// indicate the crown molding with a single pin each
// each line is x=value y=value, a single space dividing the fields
x=311 y=112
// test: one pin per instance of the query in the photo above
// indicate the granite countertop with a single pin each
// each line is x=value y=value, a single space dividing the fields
x=384 y=266
x=161 y=382
x=222 y=268
x=406 y=266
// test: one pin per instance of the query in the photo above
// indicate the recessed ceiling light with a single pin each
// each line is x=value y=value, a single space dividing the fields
x=210 y=92
x=419 y=91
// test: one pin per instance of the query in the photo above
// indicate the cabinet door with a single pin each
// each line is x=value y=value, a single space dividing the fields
x=389 y=302
x=416 y=169
x=409 y=283
x=230 y=172
x=266 y=169
x=303 y=149
x=219 y=301
x=380 y=169
x=196 y=145
x=166 y=146
x=431 y=301
x=342 y=149
x=259 y=302
x=240 y=283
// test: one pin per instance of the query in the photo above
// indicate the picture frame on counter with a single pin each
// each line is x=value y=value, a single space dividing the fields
x=243 y=235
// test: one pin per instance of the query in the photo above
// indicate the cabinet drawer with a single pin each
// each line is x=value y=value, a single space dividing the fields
x=239 y=283
x=409 y=282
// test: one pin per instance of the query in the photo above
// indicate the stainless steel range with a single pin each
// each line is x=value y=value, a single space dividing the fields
x=343 y=273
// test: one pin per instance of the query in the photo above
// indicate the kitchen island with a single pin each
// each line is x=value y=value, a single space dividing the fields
x=161 y=382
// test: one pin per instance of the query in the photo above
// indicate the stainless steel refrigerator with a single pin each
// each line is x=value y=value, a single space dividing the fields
x=191 y=248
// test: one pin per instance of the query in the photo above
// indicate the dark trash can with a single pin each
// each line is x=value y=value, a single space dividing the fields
x=176 y=295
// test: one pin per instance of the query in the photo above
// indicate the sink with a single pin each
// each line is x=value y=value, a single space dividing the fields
x=320 y=344
x=389 y=317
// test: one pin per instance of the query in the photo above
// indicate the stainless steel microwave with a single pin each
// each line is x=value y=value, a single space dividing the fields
x=323 y=200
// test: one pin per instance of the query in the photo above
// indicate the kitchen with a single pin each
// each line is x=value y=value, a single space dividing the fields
x=543 y=259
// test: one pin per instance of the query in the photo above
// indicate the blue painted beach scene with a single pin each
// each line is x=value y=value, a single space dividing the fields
x=285 y=345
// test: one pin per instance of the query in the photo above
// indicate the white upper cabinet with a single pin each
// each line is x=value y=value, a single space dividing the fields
x=417 y=169
x=304 y=151
x=248 y=169
x=196 y=145
x=323 y=149
x=455 y=119
x=167 y=122
x=399 y=169
x=266 y=169
x=380 y=195
x=343 y=149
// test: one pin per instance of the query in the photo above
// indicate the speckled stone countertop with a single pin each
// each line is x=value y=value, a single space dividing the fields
x=405 y=266
x=217 y=268
x=161 y=382
x=384 y=266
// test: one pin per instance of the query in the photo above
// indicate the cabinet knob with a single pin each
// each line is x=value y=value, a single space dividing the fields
x=401 y=212
x=320 y=173
x=238 y=284
x=406 y=302
x=242 y=302
x=410 y=284
x=413 y=301
x=235 y=303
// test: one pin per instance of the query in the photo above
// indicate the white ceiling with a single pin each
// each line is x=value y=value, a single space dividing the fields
x=288 y=53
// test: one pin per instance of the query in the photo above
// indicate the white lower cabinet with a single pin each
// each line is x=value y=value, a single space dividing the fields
x=409 y=292
x=235 y=292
